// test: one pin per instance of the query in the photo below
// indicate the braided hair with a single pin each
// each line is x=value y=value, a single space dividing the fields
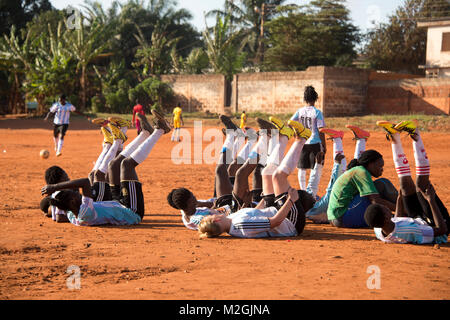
x=310 y=95
x=365 y=159
x=54 y=175
x=178 y=198
x=62 y=199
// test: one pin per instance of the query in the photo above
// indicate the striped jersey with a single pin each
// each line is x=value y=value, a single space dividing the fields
x=193 y=221
x=254 y=223
x=409 y=230
x=103 y=212
x=312 y=119
x=62 y=112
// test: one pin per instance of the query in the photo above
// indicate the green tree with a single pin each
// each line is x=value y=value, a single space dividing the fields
x=224 y=55
x=320 y=33
x=399 y=45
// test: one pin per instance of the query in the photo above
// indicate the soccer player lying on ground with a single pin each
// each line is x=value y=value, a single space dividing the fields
x=285 y=218
x=357 y=180
x=194 y=210
x=359 y=204
x=82 y=210
x=409 y=225
x=100 y=189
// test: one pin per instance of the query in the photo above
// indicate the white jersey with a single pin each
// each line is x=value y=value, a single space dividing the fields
x=312 y=119
x=62 y=112
x=254 y=223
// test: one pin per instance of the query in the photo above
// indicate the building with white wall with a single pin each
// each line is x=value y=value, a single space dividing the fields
x=438 y=48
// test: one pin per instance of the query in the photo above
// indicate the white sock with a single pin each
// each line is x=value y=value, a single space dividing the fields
x=60 y=145
x=292 y=157
x=400 y=161
x=259 y=150
x=110 y=155
x=302 y=178
x=338 y=148
x=277 y=153
x=359 y=148
x=245 y=151
x=133 y=145
x=237 y=145
x=420 y=155
x=143 y=150
x=105 y=148
x=314 y=179
x=56 y=140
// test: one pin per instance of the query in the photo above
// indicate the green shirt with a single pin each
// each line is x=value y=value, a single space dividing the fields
x=351 y=183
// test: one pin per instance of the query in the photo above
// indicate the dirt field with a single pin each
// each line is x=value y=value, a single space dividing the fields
x=161 y=259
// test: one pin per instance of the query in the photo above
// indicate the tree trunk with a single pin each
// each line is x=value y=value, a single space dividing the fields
x=83 y=88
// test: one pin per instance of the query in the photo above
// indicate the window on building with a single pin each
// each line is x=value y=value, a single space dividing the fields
x=445 y=41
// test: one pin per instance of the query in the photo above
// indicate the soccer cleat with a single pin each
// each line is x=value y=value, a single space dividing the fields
x=107 y=135
x=284 y=130
x=227 y=122
x=163 y=124
x=117 y=133
x=358 y=132
x=408 y=126
x=299 y=130
x=100 y=121
x=58 y=154
x=334 y=134
x=120 y=122
x=144 y=122
x=388 y=127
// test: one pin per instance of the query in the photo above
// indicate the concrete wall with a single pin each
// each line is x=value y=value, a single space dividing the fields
x=430 y=96
x=198 y=92
x=275 y=92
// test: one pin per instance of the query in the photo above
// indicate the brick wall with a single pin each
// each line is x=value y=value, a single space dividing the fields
x=430 y=96
x=198 y=92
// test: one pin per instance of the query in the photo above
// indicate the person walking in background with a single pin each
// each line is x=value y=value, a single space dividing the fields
x=243 y=120
x=177 y=122
x=138 y=108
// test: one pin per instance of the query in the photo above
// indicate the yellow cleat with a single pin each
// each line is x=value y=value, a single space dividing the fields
x=409 y=126
x=282 y=128
x=107 y=135
x=120 y=122
x=388 y=127
x=299 y=130
x=117 y=133
x=100 y=121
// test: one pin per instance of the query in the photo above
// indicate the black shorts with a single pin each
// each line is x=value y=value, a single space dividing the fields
x=308 y=156
x=60 y=129
x=225 y=200
x=101 y=192
x=428 y=215
x=296 y=215
x=131 y=196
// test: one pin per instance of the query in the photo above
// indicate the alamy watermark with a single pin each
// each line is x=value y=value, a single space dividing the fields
x=73 y=282
x=374 y=280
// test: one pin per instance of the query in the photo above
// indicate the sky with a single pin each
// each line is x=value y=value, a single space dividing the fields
x=363 y=12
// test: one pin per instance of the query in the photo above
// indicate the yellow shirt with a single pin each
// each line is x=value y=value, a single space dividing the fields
x=243 y=120
x=177 y=113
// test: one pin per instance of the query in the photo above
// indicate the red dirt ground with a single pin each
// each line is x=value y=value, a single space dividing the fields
x=161 y=259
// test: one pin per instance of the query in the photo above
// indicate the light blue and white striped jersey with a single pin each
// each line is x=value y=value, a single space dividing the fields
x=193 y=221
x=104 y=212
x=311 y=118
x=254 y=223
x=62 y=112
x=409 y=230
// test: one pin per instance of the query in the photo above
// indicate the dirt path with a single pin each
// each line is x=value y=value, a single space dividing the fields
x=160 y=259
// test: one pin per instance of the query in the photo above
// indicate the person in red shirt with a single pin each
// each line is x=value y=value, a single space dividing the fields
x=138 y=108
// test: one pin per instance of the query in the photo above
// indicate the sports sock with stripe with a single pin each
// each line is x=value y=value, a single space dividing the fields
x=420 y=156
x=400 y=161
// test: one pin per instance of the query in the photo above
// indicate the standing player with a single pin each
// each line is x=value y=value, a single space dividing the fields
x=138 y=108
x=61 y=110
x=311 y=118
x=177 y=122
x=243 y=123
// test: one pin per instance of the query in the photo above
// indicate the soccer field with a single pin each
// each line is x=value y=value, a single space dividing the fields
x=161 y=259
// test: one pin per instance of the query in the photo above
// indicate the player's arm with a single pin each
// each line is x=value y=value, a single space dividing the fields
x=181 y=119
x=430 y=195
x=83 y=184
x=376 y=198
x=48 y=114
x=279 y=217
